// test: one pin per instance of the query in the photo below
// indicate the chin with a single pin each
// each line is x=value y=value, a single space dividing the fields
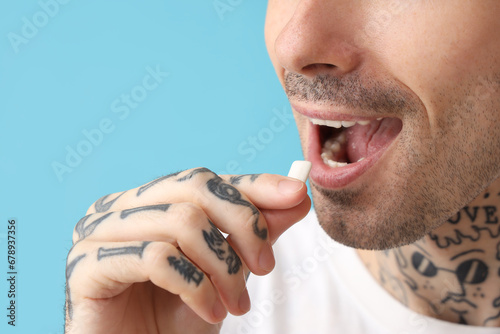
x=349 y=220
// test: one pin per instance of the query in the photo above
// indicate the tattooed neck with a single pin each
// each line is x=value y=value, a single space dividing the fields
x=453 y=273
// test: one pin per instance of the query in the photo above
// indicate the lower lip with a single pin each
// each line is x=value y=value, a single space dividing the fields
x=339 y=177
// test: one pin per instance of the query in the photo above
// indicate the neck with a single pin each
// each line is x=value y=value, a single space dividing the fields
x=453 y=273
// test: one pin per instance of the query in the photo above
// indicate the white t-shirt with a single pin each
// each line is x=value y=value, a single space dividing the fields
x=319 y=286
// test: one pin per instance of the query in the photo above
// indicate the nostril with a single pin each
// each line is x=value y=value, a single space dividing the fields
x=318 y=69
x=318 y=66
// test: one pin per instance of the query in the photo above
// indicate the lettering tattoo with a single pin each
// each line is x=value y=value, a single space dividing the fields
x=69 y=270
x=482 y=220
x=216 y=242
x=118 y=251
x=159 y=207
x=100 y=206
x=229 y=193
x=187 y=270
x=155 y=182
x=84 y=231
x=235 y=180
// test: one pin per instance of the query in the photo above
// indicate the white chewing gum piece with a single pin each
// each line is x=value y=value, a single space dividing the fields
x=300 y=170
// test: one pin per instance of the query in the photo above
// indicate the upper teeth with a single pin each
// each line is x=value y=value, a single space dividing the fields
x=338 y=124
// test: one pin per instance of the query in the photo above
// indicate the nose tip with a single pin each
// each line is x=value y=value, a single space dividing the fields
x=317 y=40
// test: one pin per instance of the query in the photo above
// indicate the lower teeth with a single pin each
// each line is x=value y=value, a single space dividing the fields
x=335 y=164
x=330 y=148
x=332 y=163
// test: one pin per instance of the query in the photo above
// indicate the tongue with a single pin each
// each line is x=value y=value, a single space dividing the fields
x=365 y=140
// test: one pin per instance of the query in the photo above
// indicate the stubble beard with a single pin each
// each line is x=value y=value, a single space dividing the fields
x=433 y=171
x=347 y=221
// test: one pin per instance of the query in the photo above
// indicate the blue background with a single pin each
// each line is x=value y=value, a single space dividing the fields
x=65 y=69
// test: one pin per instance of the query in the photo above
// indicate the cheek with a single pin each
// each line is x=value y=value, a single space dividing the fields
x=454 y=69
x=439 y=53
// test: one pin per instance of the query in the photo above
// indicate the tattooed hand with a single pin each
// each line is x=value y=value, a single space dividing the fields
x=153 y=259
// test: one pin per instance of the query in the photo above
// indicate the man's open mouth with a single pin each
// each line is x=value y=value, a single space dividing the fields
x=346 y=142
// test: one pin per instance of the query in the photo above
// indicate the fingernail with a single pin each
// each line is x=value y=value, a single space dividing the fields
x=244 y=301
x=266 y=259
x=289 y=186
x=219 y=310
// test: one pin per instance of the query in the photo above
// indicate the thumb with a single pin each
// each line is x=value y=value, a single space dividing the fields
x=270 y=191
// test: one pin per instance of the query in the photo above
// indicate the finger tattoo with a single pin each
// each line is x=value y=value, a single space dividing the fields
x=233 y=261
x=159 y=207
x=188 y=270
x=193 y=173
x=130 y=250
x=84 y=231
x=229 y=193
x=69 y=270
x=80 y=226
x=222 y=249
x=235 y=180
x=155 y=182
x=71 y=266
x=100 y=206
x=215 y=240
